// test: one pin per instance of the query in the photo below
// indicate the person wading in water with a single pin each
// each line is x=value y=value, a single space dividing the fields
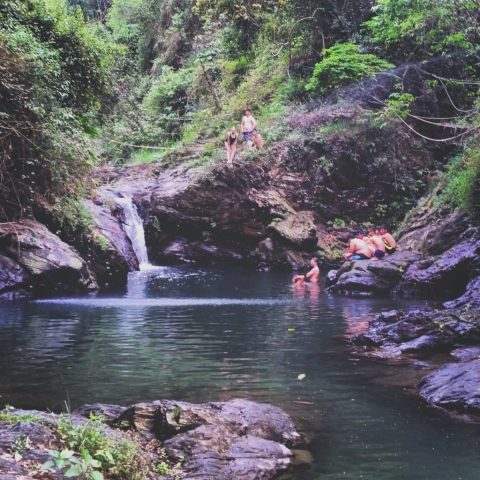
x=231 y=144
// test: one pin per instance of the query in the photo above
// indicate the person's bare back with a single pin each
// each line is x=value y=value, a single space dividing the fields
x=377 y=242
x=356 y=247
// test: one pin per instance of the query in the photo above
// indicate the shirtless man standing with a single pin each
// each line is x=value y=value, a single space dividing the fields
x=388 y=240
x=248 y=126
x=357 y=249
x=375 y=243
x=313 y=275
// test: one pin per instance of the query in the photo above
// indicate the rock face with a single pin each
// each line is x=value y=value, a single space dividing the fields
x=270 y=212
x=236 y=439
x=445 y=276
x=454 y=386
x=219 y=441
x=32 y=259
x=367 y=278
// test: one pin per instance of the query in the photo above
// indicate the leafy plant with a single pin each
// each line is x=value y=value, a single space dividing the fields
x=73 y=466
x=72 y=215
x=342 y=65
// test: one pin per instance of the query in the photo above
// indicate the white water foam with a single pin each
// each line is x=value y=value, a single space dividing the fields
x=135 y=232
x=161 y=302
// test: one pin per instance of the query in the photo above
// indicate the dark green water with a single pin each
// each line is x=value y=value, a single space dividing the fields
x=210 y=335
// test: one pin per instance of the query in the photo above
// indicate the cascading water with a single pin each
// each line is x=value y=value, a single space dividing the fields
x=134 y=230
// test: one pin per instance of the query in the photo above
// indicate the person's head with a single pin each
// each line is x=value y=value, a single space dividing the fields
x=377 y=231
x=233 y=131
x=314 y=262
x=360 y=235
x=371 y=232
x=383 y=229
x=248 y=112
x=350 y=236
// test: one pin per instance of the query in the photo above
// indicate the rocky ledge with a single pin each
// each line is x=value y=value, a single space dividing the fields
x=456 y=331
x=219 y=441
x=34 y=259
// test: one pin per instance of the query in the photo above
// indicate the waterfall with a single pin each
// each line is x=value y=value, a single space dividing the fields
x=134 y=230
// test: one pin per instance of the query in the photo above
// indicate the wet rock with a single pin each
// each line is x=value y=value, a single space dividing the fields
x=470 y=299
x=422 y=330
x=371 y=277
x=447 y=276
x=455 y=386
x=210 y=451
x=298 y=230
x=331 y=277
x=466 y=354
x=35 y=260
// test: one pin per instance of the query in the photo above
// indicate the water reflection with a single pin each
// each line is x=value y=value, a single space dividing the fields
x=207 y=335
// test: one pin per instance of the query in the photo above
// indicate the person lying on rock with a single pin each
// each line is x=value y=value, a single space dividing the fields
x=375 y=243
x=313 y=275
x=388 y=240
x=231 y=144
x=357 y=249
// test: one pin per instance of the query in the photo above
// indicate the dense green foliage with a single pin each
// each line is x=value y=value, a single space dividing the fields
x=162 y=73
x=344 y=64
x=53 y=69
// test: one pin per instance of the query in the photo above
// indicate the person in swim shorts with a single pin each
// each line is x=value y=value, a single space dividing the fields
x=357 y=249
x=248 y=124
x=388 y=240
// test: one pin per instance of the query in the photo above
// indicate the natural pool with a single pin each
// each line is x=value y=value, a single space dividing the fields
x=214 y=334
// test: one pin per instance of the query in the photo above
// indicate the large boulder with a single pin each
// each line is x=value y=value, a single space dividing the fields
x=35 y=261
x=371 y=277
x=221 y=440
x=445 y=276
x=455 y=386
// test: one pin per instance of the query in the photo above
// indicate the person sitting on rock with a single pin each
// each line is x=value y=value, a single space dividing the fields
x=313 y=275
x=388 y=240
x=375 y=243
x=357 y=249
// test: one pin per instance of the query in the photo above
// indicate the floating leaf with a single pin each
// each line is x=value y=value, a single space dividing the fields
x=301 y=376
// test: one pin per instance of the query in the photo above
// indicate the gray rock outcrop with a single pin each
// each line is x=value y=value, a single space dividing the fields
x=32 y=259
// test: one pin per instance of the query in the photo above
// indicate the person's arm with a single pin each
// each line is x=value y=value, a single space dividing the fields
x=309 y=274
x=242 y=122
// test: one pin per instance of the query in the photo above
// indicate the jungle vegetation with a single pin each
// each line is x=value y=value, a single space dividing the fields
x=84 y=82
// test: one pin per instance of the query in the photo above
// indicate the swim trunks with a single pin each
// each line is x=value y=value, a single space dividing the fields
x=390 y=250
x=247 y=136
x=359 y=256
x=379 y=253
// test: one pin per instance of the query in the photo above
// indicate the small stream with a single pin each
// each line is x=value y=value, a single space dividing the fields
x=215 y=334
